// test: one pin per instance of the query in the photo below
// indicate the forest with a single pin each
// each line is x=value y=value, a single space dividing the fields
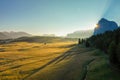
x=109 y=42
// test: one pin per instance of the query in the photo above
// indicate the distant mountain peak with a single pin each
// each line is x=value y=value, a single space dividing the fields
x=105 y=25
x=12 y=35
x=102 y=19
x=80 y=34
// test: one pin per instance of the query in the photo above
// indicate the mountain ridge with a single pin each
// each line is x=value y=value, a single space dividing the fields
x=104 y=25
x=80 y=34
x=12 y=35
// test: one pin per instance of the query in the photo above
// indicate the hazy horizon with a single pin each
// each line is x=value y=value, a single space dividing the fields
x=58 y=17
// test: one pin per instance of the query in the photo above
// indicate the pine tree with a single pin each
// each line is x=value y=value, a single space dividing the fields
x=87 y=44
x=112 y=53
x=79 y=41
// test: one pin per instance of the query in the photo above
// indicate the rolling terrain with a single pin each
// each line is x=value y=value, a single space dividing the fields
x=57 y=60
x=80 y=34
x=38 y=39
x=13 y=35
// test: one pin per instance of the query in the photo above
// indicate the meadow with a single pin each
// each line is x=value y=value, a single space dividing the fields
x=53 y=61
x=19 y=59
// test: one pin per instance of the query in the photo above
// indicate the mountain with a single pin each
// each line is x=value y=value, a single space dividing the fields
x=12 y=35
x=3 y=36
x=105 y=25
x=80 y=34
x=49 y=35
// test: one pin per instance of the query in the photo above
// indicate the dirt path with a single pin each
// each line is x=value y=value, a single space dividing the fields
x=85 y=69
x=68 y=66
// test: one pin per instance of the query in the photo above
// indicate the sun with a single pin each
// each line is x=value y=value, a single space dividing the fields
x=96 y=26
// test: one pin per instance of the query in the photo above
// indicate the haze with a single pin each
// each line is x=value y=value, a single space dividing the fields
x=57 y=17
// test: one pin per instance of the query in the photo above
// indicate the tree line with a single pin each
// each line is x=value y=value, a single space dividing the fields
x=109 y=42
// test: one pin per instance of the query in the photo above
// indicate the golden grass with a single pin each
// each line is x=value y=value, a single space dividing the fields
x=67 y=67
x=17 y=60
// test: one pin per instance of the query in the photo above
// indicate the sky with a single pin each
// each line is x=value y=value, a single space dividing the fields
x=57 y=17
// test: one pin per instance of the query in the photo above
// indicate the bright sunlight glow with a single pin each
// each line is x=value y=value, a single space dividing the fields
x=96 y=25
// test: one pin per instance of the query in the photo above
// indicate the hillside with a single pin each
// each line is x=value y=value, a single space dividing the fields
x=109 y=42
x=13 y=35
x=42 y=39
x=3 y=36
x=80 y=34
x=38 y=39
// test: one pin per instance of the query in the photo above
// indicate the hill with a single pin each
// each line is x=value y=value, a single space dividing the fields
x=3 y=36
x=42 y=39
x=38 y=39
x=12 y=35
x=109 y=42
x=80 y=34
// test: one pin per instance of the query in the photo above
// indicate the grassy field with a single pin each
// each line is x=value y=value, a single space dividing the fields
x=17 y=60
x=53 y=61
x=100 y=68
x=67 y=67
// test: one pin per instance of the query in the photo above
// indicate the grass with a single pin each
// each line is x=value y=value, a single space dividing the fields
x=21 y=58
x=53 y=61
x=100 y=69
x=67 y=67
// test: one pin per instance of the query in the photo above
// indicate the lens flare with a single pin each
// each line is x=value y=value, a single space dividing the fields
x=96 y=26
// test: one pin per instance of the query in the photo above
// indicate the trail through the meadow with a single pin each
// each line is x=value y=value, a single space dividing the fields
x=71 y=65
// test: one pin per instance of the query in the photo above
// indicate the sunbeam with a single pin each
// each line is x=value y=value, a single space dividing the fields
x=113 y=11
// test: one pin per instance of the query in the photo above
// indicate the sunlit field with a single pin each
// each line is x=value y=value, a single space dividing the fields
x=20 y=59
x=53 y=61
